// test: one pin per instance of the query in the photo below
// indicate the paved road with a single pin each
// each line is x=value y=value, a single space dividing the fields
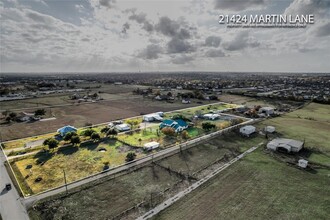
x=11 y=207
x=194 y=186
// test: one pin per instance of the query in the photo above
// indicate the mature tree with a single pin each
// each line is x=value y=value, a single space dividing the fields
x=208 y=126
x=40 y=112
x=105 y=130
x=12 y=115
x=112 y=132
x=179 y=116
x=130 y=156
x=95 y=136
x=68 y=136
x=75 y=140
x=168 y=131
x=51 y=143
x=133 y=122
x=88 y=132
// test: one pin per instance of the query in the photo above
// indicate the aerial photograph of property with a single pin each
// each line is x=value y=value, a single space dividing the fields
x=164 y=109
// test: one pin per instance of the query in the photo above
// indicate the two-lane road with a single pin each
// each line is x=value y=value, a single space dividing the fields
x=11 y=207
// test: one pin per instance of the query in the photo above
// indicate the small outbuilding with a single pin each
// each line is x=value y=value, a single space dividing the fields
x=66 y=129
x=123 y=127
x=284 y=144
x=270 y=129
x=302 y=163
x=267 y=110
x=247 y=130
x=151 y=145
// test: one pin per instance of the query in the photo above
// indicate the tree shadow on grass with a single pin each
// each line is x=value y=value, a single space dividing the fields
x=43 y=156
x=67 y=150
x=89 y=145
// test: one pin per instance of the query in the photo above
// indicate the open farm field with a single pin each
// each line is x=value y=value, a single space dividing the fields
x=265 y=187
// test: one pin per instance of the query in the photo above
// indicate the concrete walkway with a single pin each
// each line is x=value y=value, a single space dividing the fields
x=194 y=186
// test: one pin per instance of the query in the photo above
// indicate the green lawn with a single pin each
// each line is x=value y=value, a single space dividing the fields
x=78 y=162
x=145 y=135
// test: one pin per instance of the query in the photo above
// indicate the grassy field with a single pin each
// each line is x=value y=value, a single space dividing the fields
x=257 y=187
x=310 y=124
x=262 y=187
x=197 y=158
x=78 y=162
x=129 y=190
x=107 y=199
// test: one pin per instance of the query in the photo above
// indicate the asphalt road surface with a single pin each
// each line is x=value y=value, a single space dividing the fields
x=11 y=207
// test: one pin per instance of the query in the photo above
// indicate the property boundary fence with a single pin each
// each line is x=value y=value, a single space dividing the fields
x=170 y=150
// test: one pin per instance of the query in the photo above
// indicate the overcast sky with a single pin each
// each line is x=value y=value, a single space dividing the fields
x=159 y=35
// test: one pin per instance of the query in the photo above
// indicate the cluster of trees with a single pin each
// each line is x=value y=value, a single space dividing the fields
x=109 y=131
x=207 y=126
x=9 y=116
x=12 y=116
x=39 y=112
x=170 y=132
x=92 y=134
x=51 y=143
x=179 y=116
x=73 y=137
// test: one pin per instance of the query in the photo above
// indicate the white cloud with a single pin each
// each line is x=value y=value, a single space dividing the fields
x=159 y=35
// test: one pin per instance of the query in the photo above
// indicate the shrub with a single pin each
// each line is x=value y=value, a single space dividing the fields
x=168 y=131
x=208 y=126
x=130 y=156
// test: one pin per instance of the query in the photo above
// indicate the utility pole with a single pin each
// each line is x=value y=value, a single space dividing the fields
x=66 y=186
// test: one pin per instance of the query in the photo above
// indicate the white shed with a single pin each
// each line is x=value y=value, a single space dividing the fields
x=211 y=116
x=267 y=110
x=270 y=129
x=151 y=145
x=302 y=163
x=247 y=130
x=148 y=118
